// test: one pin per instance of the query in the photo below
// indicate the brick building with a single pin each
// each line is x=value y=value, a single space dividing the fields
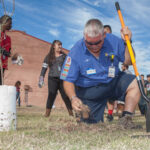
x=33 y=51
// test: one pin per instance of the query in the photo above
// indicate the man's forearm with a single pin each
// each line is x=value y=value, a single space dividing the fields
x=69 y=89
x=128 y=57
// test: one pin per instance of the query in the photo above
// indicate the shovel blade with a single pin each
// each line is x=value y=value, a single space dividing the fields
x=148 y=117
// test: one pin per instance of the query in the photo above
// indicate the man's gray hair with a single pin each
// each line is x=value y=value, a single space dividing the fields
x=93 y=28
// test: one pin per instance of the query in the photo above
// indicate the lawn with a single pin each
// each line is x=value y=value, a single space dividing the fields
x=61 y=132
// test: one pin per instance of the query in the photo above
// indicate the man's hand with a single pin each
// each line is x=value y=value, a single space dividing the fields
x=77 y=104
x=126 y=31
x=41 y=82
x=80 y=109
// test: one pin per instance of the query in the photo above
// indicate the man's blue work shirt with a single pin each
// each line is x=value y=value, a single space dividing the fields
x=85 y=70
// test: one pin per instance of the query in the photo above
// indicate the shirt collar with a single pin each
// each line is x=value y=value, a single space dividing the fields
x=84 y=46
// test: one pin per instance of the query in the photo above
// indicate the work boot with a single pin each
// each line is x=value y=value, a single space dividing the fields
x=47 y=113
x=110 y=118
x=126 y=123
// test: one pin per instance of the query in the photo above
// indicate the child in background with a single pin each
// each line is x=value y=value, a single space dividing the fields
x=17 y=85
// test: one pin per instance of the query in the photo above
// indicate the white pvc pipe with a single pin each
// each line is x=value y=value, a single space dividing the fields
x=7 y=108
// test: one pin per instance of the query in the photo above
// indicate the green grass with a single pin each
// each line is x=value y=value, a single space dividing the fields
x=61 y=132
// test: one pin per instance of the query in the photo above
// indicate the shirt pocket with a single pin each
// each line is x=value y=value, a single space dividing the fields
x=87 y=66
x=105 y=61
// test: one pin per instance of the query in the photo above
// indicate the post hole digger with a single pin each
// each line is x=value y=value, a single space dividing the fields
x=147 y=115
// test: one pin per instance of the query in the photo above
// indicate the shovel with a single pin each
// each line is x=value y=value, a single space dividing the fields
x=147 y=115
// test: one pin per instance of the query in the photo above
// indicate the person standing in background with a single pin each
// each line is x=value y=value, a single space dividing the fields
x=142 y=103
x=125 y=68
x=107 y=29
x=54 y=61
x=17 y=85
x=147 y=86
x=5 y=44
x=110 y=103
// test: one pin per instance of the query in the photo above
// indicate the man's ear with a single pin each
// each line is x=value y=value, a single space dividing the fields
x=104 y=34
x=84 y=36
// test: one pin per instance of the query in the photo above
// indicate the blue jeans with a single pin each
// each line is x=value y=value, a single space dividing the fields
x=18 y=97
x=96 y=97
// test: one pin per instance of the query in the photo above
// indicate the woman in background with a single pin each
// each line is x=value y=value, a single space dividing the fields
x=54 y=61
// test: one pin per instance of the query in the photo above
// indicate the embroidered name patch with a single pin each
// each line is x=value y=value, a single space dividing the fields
x=66 y=68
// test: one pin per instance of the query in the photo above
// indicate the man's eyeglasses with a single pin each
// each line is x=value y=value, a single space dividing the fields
x=95 y=43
